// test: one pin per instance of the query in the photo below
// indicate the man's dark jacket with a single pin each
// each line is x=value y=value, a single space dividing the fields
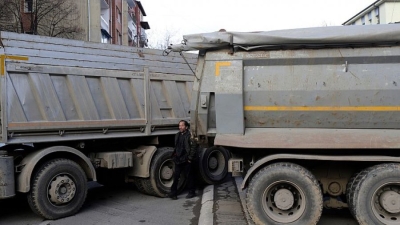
x=189 y=146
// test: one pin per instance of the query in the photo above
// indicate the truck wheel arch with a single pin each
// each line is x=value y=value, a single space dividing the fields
x=278 y=157
x=34 y=159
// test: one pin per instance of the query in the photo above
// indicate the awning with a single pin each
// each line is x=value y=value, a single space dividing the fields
x=145 y=25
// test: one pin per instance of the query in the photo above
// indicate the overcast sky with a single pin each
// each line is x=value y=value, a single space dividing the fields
x=198 y=16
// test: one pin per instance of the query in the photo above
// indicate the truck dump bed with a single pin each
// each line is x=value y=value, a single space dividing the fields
x=331 y=87
x=55 y=89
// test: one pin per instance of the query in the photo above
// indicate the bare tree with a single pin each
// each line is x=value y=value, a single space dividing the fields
x=55 y=18
x=161 y=40
x=11 y=16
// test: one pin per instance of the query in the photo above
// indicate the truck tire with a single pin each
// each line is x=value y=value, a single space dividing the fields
x=349 y=187
x=284 y=193
x=214 y=164
x=162 y=171
x=375 y=195
x=144 y=186
x=58 y=189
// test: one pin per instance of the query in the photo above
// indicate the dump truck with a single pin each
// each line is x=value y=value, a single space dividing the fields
x=71 y=110
x=309 y=117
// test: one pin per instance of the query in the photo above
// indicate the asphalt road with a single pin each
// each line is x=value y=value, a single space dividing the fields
x=124 y=205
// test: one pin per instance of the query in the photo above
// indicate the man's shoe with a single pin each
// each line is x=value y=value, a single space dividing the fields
x=171 y=196
x=191 y=195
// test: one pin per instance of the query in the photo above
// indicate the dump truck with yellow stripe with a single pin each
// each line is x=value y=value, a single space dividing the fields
x=72 y=109
x=310 y=117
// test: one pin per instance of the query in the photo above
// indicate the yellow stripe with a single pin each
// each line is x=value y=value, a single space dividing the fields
x=2 y=65
x=12 y=57
x=218 y=65
x=322 y=108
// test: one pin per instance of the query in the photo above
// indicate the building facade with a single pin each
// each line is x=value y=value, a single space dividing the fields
x=106 y=21
x=379 y=12
x=114 y=21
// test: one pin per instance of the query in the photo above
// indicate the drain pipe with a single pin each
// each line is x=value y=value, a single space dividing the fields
x=88 y=10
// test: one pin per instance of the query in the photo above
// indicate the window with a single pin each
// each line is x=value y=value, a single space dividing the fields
x=363 y=20
x=28 y=5
x=119 y=15
x=370 y=17
x=377 y=15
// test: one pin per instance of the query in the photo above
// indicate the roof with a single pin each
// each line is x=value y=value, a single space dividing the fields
x=373 y=5
x=316 y=37
x=141 y=8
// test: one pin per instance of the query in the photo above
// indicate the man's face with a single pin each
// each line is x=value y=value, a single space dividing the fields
x=182 y=127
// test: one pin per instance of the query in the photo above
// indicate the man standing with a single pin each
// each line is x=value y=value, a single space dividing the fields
x=183 y=156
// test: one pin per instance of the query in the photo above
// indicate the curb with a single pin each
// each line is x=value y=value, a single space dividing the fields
x=207 y=205
x=242 y=195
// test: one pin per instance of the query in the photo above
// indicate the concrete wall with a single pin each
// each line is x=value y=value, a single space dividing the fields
x=90 y=25
x=124 y=23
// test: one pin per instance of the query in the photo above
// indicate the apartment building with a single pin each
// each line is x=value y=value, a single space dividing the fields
x=114 y=21
x=379 y=12
x=136 y=26
x=106 y=21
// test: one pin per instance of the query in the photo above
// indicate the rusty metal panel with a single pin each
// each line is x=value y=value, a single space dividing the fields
x=306 y=138
x=323 y=92
x=55 y=89
x=305 y=98
x=142 y=156
x=112 y=160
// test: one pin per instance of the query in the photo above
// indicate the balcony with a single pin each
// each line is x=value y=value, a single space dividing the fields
x=132 y=16
x=104 y=4
x=130 y=34
x=131 y=3
x=104 y=24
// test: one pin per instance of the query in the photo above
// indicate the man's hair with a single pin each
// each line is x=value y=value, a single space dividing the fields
x=185 y=122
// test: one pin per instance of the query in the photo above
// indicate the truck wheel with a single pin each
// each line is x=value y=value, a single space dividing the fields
x=375 y=195
x=58 y=189
x=162 y=172
x=144 y=186
x=214 y=164
x=284 y=193
x=349 y=187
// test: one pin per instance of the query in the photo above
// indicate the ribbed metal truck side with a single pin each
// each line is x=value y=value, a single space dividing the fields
x=69 y=107
x=310 y=117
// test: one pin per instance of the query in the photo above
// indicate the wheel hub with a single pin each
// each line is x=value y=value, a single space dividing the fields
x=390 y=201
x=62 y=190
x=284 y=199
x=166 y=173
x=213 y=163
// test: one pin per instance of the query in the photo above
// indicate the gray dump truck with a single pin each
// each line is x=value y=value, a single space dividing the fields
x=72 y=109
x=310 y=117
